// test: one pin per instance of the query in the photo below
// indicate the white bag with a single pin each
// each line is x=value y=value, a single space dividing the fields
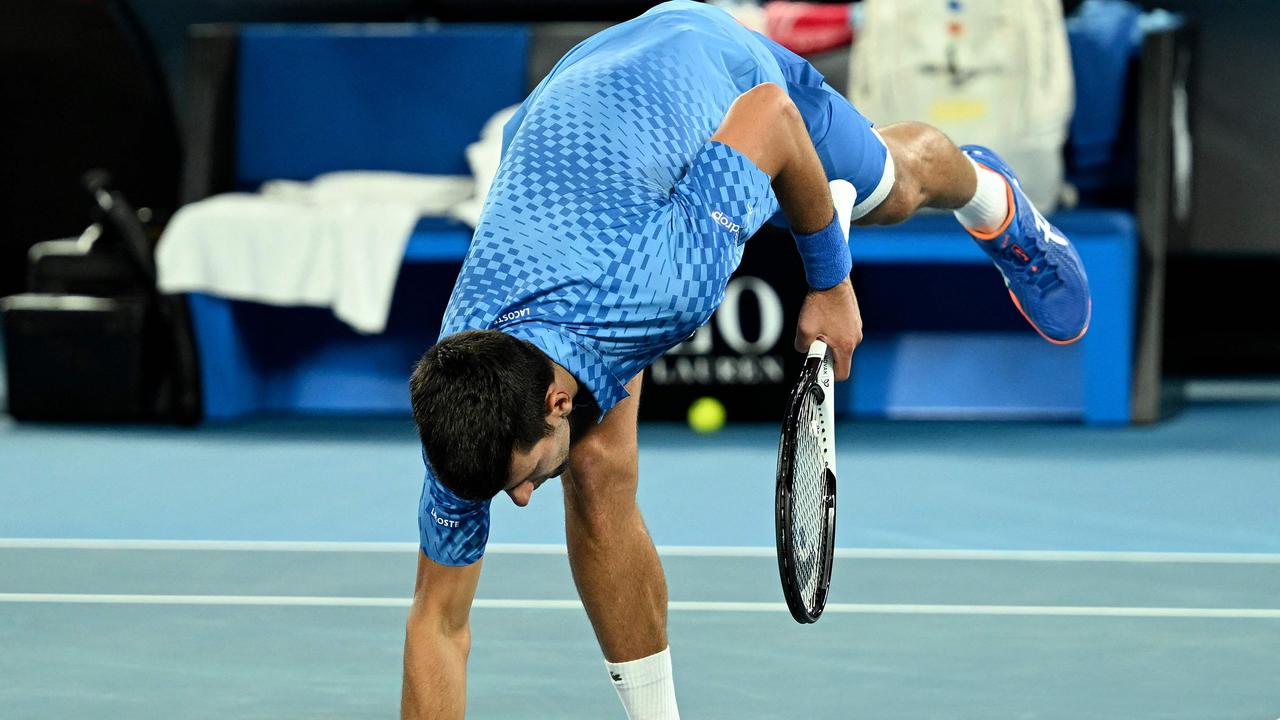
x=989 y=72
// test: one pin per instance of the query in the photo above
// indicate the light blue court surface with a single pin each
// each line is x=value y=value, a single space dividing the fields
x=991 y=571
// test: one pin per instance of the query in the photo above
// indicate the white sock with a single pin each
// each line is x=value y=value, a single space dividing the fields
x=990 y=204
x=645 y=687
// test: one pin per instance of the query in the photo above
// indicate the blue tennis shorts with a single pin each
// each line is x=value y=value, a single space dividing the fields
x=847 y=144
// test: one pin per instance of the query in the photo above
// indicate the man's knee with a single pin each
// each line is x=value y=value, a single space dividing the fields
x=914 y=147
x=898 y=206
x=600 y=486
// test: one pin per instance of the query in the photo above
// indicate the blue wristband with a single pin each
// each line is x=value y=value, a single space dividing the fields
x=825 y=254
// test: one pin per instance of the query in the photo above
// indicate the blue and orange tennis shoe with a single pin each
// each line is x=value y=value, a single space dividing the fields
x=1040 y=267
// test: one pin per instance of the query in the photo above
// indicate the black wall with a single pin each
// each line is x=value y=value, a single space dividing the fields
x=79 y=91
x=1235 y=116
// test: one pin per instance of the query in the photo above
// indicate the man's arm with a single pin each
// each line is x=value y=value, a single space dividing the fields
x=764 y=125
x=437 y=641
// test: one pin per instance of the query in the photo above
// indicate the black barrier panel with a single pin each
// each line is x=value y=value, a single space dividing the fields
x=744 y=356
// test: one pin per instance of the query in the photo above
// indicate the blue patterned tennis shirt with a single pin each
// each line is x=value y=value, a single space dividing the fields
x=614 y=224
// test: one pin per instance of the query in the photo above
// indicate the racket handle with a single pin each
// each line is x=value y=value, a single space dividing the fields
x=817 y=350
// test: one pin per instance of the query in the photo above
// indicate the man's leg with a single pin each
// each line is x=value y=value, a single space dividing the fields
x=1043 y=272
x=1041 y=269
x=929 y=171
x=615 y=565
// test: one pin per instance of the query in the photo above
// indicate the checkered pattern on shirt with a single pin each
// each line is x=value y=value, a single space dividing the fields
x=600 y=221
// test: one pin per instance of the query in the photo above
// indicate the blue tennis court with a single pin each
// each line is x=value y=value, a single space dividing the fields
x=290 y=290
x=265 y=570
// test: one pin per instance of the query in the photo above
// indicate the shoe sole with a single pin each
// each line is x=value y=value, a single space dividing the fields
x=1041 y=332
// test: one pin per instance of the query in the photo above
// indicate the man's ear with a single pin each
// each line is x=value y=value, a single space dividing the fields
x=559 y=401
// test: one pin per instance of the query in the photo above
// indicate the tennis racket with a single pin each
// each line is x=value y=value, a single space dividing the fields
x=805 y=500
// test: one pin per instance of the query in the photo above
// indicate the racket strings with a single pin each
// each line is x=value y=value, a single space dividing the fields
x=809 y=498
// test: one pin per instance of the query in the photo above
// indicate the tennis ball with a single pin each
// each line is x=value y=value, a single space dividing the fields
x=706 y=415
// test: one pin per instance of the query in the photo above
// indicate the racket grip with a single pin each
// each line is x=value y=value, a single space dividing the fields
x=817 y=350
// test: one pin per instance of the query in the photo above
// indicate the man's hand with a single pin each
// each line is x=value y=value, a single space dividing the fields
x=831 y=316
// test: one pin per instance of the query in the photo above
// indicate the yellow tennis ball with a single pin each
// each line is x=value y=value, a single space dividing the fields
x=706 y=415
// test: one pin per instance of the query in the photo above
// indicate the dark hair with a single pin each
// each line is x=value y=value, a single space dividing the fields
x=477 y=395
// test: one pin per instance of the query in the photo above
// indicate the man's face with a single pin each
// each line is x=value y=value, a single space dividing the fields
x=547 y=458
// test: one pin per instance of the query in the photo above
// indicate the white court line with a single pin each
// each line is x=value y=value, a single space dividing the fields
x=676 y=605
x=931 y=554
x=666 y=550
x=1230 y=390
x=206 y=545
x=254 y=600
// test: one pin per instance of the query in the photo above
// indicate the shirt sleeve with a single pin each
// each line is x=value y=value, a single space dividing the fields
x=452 y=531
x=724 y=192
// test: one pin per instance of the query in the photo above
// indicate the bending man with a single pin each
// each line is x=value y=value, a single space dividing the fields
x=631 y=179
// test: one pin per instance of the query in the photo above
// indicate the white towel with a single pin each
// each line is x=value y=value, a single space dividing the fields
x=484 y=157
x=430 y=194
x=290 y=251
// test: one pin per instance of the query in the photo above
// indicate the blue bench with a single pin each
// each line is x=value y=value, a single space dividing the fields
x=311 y=99
x=256 y=358
x=959 y=372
